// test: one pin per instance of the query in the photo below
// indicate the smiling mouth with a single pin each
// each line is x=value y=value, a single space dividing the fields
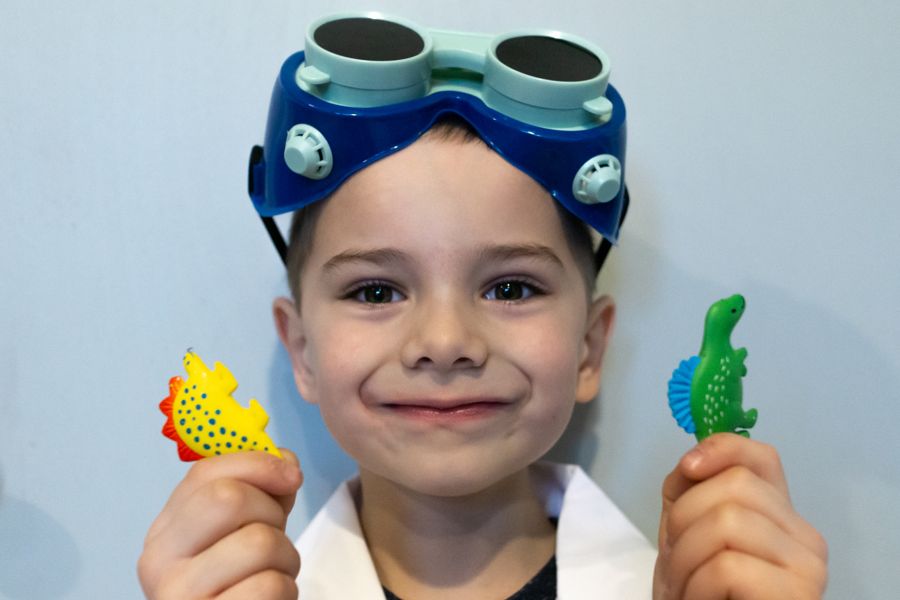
x=462 y=411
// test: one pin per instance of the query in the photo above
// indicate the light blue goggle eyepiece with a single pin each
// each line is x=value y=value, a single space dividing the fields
x=368 y=85
x=368 y=60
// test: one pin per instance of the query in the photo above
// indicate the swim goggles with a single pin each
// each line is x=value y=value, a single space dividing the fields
x=369 y=85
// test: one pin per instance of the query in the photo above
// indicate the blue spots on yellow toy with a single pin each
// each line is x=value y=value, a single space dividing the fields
x=204 y=419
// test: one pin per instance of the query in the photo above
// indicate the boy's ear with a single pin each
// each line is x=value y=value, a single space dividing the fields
x=290 y=330
x=596 y=337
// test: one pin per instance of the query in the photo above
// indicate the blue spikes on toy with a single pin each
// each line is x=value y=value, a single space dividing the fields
x=680 y=393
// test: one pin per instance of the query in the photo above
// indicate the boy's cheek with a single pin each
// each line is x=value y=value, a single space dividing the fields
x=341 y=369
x=549 y=351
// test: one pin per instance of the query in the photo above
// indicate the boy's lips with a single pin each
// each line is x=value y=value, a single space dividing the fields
x=444 y=403
x=443 y=409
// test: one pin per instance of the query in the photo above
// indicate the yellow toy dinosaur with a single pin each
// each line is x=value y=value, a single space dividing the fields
x=203 y=418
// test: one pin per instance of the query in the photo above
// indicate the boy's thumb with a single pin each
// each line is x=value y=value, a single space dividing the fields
x=292 y=460
x=287 y=500
x=289 y=456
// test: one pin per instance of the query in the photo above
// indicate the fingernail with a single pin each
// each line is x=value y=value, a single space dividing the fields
x=289 y=457
x=290 y=466
x=292 y=474
x=693 y=459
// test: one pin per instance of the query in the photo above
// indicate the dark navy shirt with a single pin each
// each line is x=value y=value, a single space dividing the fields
x=541 y=587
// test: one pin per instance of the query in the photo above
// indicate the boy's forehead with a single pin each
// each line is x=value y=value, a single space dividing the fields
x=442 y=188
x=433 y=163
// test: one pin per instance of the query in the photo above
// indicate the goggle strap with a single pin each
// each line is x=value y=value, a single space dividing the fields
x=255 y=187
x=276 y=237
x=602 y=253
x=605 y=245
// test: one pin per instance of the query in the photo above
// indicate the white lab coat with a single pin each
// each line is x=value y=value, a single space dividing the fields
x=599 y=553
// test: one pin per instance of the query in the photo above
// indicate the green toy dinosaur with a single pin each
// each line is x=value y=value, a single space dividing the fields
x=705 y=391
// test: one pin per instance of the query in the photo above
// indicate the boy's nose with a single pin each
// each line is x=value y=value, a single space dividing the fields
x=444 y=336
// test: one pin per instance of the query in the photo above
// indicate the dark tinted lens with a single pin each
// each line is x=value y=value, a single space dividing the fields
x=549 y=58
x=369 y=39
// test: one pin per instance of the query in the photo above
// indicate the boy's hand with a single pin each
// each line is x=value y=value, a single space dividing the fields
x=221 y=534
x=728 y=529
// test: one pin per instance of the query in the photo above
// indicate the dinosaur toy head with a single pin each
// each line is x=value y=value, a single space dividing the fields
x=724 y=315
x=218 y=380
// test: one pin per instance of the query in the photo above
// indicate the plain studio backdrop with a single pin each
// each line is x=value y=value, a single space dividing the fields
x=764 y=142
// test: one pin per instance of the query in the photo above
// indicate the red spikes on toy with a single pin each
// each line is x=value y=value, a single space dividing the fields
x=168 y=430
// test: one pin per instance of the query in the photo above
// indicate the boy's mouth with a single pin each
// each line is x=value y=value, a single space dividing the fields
x=461 y=408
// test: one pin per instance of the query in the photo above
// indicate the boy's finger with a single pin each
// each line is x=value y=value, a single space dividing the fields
x=712 y=456
x=734 y=527
x=271 y=585
x=269 y=473
x=674 y=486
x=287 y=500
x=740 y=486
x=732 y=574
x=214 y=512
x=736 y=485
x=253 y=549
x=289 y=456
x=723 y=450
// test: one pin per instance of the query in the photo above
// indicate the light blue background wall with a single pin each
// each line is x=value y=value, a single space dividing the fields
x=763 y=158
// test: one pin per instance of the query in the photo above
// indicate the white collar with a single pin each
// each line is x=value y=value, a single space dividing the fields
x=599 y=553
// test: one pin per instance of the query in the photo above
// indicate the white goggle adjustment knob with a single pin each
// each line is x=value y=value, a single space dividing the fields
x=598 y=180
x=307 y=152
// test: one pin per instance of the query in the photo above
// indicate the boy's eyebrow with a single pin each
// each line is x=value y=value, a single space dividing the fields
x=378 y=256
x=503 y=252
x=493 y=253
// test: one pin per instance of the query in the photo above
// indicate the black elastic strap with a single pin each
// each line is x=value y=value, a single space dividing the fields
x=605 y=244
x=277 y=238
x=254 y=188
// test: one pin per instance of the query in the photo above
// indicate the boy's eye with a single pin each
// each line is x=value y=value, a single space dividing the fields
x=376 y=293
x=510 y=291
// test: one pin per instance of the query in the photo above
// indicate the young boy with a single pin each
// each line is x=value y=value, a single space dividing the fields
x=443 y=320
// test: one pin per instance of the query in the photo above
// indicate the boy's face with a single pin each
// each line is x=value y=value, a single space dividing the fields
x=443 y=328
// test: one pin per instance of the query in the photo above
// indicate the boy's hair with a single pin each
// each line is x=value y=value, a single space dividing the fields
x=452 y=129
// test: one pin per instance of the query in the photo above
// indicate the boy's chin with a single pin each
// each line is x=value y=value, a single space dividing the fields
x=455 y=478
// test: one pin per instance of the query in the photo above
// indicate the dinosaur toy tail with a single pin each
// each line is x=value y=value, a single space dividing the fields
x=680 y=393
x=168 y=430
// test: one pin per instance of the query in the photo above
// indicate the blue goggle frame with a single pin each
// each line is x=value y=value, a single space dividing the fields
x=312 y=146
